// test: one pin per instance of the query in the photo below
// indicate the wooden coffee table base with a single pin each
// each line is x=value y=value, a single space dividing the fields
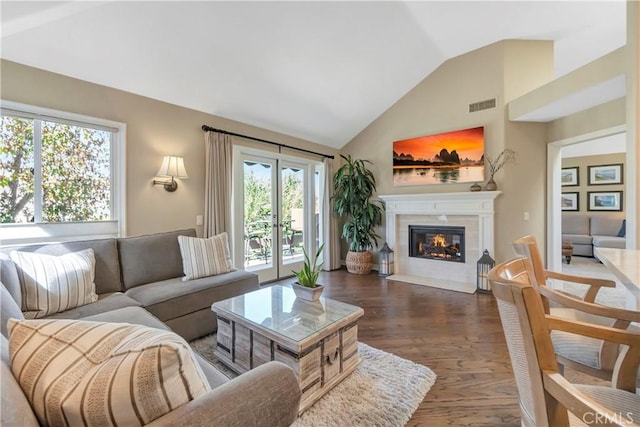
x=319 y=366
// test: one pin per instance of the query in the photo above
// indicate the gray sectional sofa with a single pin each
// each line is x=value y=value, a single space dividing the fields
x=139 y=281
x=144 y=271
x=588 y=231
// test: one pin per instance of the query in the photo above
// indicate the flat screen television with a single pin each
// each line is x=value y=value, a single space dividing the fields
x=444 y=158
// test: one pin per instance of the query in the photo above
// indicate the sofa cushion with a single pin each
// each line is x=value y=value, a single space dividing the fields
x=194 y=325
x=205 y=257
x=105 y=303
x=15 y=409
x=140 y=316
x=9 y=276
x=100 y=373
x=575 y=224
x=214 y=376
x=623 y=229
x=133 y=315
x=9 y=309
x=152 y=258
x=105 y=252
x=602 y=225
x=173 y=298
x=609 y=242
x=51 y=284
x=578 y=239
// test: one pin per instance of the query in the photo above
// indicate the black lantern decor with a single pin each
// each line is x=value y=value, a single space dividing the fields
x=485 y=263
x=386 y=261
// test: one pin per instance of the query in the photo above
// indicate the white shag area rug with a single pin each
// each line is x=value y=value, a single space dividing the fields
x=590 y=267
x=384 y=390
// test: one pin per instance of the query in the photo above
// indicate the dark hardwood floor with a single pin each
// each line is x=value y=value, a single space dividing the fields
x=457 y=335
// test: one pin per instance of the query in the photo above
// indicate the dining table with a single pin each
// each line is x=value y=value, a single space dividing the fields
x=625 y=265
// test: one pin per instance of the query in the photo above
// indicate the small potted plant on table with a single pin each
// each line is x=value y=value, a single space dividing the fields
x=307 y=286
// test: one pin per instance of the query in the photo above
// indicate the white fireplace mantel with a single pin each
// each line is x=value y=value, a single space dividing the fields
x=468 y=203
x=436 y=207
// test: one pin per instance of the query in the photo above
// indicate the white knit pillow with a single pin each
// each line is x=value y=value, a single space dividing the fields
x=51 y=284
x=102 y=374
x=205 y=257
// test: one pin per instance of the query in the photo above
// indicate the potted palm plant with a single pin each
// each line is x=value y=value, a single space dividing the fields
x=307 y=286
x=353 y=187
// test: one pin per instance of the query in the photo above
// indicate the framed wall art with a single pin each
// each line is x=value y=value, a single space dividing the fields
x=570 y=177
x=604 y=200
x=570 y=201
x=605 y=174
x=444 y=158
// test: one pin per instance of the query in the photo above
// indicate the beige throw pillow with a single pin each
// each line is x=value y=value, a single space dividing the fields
x=205 y=257
x=102 y=374
x=51 y=284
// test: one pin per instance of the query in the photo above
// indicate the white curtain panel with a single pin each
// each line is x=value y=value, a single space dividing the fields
x=331 y=236
x=217 y=190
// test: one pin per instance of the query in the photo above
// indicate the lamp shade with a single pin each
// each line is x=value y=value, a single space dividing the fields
x=173 y=166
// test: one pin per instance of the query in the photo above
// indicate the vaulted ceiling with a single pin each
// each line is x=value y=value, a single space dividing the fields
x=320 y=71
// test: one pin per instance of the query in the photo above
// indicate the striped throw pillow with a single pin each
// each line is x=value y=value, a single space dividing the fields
x=51 y=284
x=205 y=257
x=102 y=374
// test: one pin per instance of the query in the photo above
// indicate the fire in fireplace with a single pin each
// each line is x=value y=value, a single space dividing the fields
x=444 y=243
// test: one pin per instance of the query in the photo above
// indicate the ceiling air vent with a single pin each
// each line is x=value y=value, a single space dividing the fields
x=482 y=105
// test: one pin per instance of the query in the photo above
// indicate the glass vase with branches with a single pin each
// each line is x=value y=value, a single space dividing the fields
x=506 y=157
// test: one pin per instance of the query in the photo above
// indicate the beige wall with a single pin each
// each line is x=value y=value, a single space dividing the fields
x=611 y=115
x=602 y=69
x=440 y=102
x=154 y=129
x=633 y=118
x=583 y=163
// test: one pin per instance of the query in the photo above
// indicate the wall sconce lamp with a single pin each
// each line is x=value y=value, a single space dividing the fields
x=172 y=167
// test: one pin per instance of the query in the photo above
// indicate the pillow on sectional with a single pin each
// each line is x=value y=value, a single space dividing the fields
x=100 y=374
x=623 y=229
x=205 y=257
x=51 y=284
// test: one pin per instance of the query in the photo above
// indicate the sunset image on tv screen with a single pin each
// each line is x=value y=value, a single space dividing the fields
x=444 y=158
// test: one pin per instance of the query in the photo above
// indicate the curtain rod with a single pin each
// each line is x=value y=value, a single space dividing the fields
x=210 y=129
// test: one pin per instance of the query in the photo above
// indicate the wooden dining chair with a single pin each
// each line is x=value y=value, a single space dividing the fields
x=546 y=398
x=585 y=354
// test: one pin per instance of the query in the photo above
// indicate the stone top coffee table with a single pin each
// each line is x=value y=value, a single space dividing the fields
x=319 y=340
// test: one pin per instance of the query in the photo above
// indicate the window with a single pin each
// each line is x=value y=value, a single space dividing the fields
x=59 y=169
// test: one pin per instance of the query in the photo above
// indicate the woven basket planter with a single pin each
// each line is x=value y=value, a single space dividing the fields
x=359 y=262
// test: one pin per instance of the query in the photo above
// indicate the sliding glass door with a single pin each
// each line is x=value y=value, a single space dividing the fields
x=276 y=210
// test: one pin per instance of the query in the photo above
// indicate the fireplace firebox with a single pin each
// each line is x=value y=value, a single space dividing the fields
x=445 y=243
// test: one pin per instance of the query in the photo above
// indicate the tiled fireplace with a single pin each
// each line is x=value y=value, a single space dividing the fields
x=426 y=229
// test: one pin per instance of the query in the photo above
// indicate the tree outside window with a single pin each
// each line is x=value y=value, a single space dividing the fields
x=53 y=172
x=16 y=170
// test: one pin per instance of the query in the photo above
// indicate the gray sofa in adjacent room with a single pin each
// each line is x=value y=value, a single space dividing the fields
x=588 y=231
x=139 y=281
